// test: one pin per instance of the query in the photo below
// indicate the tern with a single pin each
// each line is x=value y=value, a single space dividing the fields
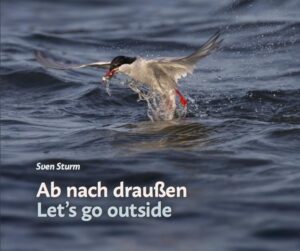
x=161 y=74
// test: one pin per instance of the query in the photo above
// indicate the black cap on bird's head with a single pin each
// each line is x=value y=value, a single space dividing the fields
x=119 y=60
x=116 y=63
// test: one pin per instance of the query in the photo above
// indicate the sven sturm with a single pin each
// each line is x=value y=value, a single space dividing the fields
x=59 y=166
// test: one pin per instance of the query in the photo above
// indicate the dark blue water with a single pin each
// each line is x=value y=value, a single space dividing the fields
x=237 y=151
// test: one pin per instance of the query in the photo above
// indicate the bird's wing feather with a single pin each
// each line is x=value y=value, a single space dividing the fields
x=180 y=67
x=50 y=63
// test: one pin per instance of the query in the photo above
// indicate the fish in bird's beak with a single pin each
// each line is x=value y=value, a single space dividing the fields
x=109 y=74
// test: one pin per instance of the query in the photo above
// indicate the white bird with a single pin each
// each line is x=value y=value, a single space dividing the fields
x=161 y=74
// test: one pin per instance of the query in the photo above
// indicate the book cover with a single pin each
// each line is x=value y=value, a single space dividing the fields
x=150 y=125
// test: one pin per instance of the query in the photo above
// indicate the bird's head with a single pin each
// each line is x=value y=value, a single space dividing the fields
x=116 y=63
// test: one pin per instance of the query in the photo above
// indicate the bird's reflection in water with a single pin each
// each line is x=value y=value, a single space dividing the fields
x=163 y=135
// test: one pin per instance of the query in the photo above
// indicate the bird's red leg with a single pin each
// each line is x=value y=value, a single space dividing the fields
x=182 y=99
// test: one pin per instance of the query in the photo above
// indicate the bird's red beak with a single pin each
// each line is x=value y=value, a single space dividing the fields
x=110 y=73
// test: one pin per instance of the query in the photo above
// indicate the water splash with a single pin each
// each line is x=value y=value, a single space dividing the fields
x=161 y=106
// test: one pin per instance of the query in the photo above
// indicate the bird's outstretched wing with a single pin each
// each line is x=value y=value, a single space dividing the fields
x=180 y=67
x=50 y=63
